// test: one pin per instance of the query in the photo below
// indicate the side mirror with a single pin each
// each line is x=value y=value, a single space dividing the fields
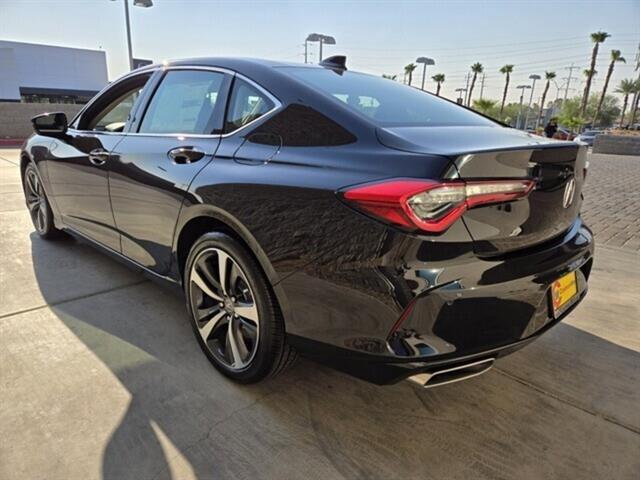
x=50 y=124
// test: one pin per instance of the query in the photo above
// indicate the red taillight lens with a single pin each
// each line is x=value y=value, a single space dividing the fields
x=431 y=206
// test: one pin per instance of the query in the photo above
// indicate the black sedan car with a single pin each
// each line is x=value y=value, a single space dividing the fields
x=314 y=210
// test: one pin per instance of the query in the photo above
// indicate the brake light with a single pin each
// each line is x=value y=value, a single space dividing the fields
x=428 y=205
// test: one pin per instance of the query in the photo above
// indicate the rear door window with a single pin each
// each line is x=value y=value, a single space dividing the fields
x=247 y=104
x=185 y=102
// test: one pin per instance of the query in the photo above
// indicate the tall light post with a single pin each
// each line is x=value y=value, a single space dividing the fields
x=312 y=37
x=325 y=40
x=322 y=40
x=460 y=91
x=522 y=89
x=136 y=3
x=533 y=77
x=424 y=61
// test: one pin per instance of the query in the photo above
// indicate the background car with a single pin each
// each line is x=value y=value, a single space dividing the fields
x=588 y=137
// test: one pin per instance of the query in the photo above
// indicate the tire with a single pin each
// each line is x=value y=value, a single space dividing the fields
x=38 y=204
x=237 y=322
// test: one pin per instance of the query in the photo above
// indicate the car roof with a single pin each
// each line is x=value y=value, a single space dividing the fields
x=231 y=63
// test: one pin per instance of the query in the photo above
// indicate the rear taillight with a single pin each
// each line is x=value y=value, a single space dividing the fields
x=431 y=206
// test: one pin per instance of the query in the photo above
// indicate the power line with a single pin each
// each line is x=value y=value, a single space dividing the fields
x=508 y=43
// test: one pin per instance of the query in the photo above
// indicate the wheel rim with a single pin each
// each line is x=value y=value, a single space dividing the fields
x=224 y=308
x=36 y=202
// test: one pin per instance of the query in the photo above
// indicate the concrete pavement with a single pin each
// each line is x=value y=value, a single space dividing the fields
x=101 y=378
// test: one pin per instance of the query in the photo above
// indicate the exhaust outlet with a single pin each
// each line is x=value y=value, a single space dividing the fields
x=452 y=375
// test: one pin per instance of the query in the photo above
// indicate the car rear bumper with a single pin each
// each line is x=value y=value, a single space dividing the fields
x=385 y=370
x=413 y=310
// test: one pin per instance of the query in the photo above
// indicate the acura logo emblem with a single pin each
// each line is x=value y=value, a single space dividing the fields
x=569 y=192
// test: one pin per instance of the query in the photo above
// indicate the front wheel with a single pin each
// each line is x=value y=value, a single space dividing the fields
x=234 y=314
x=38 y=205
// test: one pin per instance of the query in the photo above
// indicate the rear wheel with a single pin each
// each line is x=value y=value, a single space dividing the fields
x=38 y=205
x=234 y=314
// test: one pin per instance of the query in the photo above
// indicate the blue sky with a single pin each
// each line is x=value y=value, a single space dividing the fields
x=377 y=37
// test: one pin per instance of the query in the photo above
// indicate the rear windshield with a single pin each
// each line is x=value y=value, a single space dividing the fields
x=387 y=102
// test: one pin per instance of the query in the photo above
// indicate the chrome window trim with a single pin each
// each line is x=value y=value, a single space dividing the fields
x=276 y=102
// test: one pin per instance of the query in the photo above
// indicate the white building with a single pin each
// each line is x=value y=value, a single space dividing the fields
x=42 y=73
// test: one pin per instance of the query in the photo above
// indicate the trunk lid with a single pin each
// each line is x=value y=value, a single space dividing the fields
x=479 y=153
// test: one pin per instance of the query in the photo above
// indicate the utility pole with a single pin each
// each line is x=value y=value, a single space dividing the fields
x=306 y=51
x=482 y=87
x=466 y=89
x=566 y=90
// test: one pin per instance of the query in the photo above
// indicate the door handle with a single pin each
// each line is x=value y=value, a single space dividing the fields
x=98 y=156
x=185 y=154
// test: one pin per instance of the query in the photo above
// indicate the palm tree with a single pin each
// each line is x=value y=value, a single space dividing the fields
x=626 y=87
x=616 y=56
x=634 y=107
x=439 y=79
x=597 y=38
x=506 y=70
x=390 y=77
x=408 y=70
x=476 y=68
x=548 y=76
x=484 y=105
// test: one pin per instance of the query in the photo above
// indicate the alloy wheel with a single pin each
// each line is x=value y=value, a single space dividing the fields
x=36 y=201
x=224 y=308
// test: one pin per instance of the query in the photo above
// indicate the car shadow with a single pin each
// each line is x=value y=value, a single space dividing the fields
x=184 y=419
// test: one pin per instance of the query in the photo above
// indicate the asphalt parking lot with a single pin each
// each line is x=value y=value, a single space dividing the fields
x=101 y=378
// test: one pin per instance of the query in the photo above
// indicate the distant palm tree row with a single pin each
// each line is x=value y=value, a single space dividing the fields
x=408 y=74
x=626 y=88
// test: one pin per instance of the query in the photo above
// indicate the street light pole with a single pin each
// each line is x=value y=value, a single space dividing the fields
x=533 y=77
x=424 y=61
x=522 y=89
x=322 y=40
x=127 y=21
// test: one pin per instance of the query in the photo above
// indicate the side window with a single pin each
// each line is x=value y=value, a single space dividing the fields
x=114 y=117
x=111 y=110
x=247 y=104
x=185 y=102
